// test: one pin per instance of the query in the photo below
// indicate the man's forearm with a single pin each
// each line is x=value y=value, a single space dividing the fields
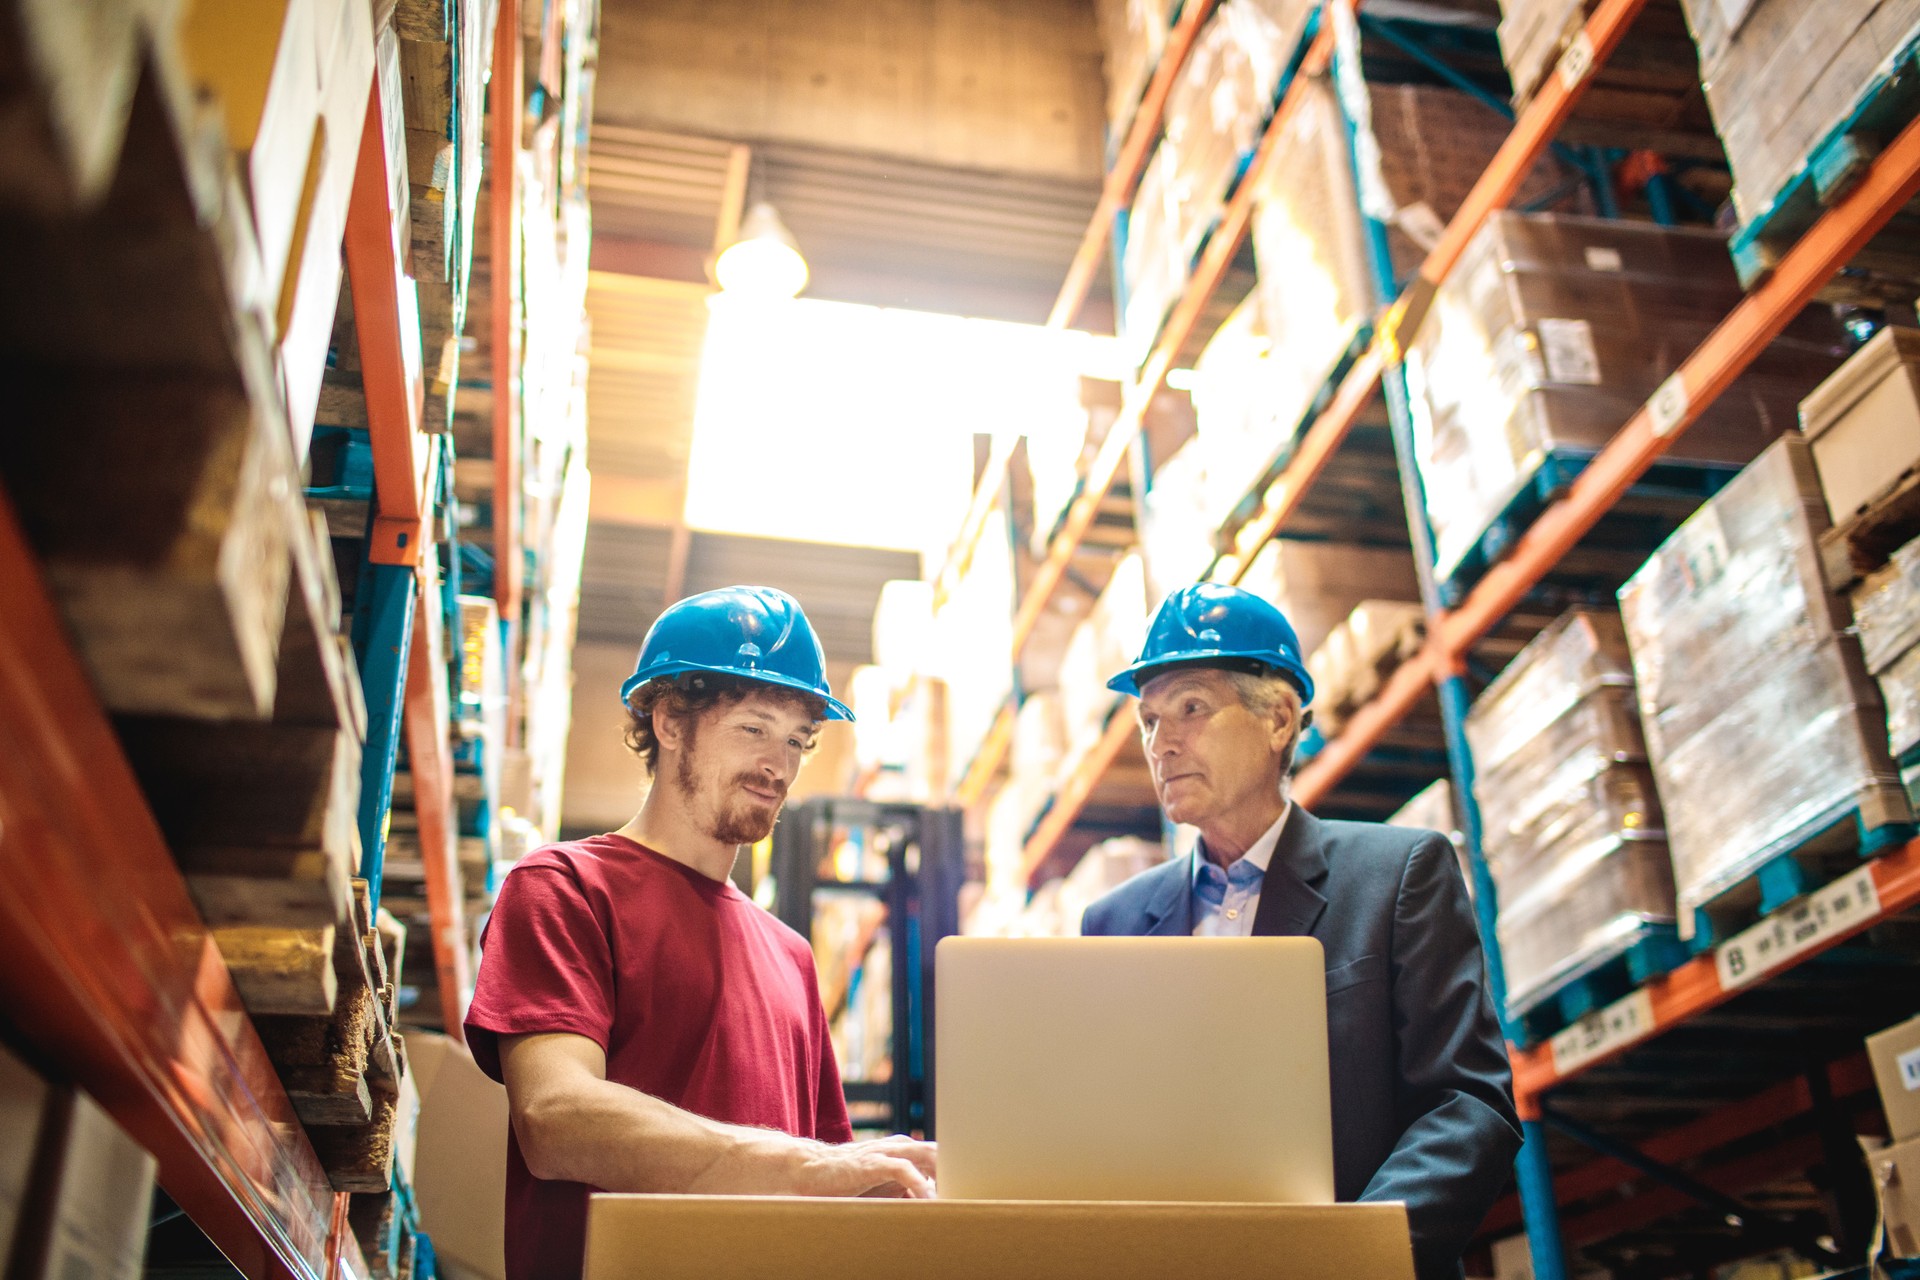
x=619 y=1139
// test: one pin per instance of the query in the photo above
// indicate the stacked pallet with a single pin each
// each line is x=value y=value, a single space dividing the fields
x=1570 y=823
x=1550 y=334
x=1360 y=655
x=1768 y=742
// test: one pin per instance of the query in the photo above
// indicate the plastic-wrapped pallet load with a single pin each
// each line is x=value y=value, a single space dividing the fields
x=1553 y=331
x=1215 y=112
x=1570 y=825
x=1781 y=74
x=1318 y=584
x=1106 y=641
x=1762 y=724
x=1132 y=35
x=973 y=644
x=1886 y=610
x=1105 y=867
x=1177 y=523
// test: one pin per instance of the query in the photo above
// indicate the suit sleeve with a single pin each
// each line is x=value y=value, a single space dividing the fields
x=1455 y=1094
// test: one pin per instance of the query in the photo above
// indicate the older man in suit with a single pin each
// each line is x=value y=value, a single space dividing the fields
x=1422 y=1092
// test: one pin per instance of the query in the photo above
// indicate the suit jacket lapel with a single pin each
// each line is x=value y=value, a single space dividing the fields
x=1170 y=913
x=1290 y=897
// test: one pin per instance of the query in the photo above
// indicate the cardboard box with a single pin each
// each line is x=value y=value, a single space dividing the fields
x=1896 y=1178
x=93 y=1190
x=668 y=1237
x=23 y=1110
x=1896 y=1070
x=1864 y=422
x=1318 y=584
x=460 y=1158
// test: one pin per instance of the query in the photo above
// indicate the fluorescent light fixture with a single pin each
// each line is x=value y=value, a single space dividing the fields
x=764 y=261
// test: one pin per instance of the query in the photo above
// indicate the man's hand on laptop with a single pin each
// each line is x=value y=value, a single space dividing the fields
x=896 y=1167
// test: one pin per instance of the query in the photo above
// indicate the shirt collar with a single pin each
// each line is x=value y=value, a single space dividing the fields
x=1255 y=859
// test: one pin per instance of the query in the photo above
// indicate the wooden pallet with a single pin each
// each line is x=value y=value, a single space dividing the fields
x=1851 y=551
x=1887 y=103
x=1597 y=981
x=1819 y=852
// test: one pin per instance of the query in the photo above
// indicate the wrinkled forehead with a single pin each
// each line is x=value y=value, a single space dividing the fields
x=1164 y=688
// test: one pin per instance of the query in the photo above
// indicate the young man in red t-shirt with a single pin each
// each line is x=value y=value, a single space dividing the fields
x=657 y=1031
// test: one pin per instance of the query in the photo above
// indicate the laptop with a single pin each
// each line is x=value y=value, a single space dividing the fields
x=1191 y=1069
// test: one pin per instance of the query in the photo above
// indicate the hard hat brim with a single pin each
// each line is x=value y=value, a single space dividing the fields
x=836 y=709
x=1130 y=680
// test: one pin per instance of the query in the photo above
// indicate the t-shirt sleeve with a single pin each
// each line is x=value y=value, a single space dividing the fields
x=545 y=966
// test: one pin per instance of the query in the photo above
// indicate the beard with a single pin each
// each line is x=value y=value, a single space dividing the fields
x=736 y=817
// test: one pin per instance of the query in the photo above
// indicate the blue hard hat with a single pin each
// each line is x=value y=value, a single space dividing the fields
x=1212 y=624
x=757 y=633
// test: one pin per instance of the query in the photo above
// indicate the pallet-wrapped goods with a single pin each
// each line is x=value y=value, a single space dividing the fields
x=1886 y=611
x=1781 y=75
x=1570 y=824
x=1106 y=642
x=1317 y=585
x=1215 y=112
x=1553 y=332
x=1241 y=390
x=972 y=640
x=1177 y=522
x=1433 y=810
x=1763 y=727
x=1132 y=35
x=1104 y=868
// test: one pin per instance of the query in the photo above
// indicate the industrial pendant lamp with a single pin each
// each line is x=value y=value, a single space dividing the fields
x=763 y=261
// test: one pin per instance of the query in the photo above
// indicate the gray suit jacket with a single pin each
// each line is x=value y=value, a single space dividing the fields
x=1422 y=1093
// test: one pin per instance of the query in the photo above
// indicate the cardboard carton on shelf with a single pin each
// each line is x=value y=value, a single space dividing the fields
x=460 y=1158
x=672 y=1238
x=1864 y=422
x=1896 y=1180
x=1318 y=584
x=24 y=1098
x=1895 y=1054
x=92 y=1191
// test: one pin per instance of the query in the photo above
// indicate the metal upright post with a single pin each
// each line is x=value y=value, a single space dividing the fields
x=383 y=637
x=1531 y=1168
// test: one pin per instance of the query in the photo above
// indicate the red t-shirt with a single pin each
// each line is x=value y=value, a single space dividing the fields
x=698 y=996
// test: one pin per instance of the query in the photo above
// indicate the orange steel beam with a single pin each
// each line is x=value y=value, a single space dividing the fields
x=1315 y=450
x=1847 y=1078
x=986 y=761
x=1695 y=987
x=1732 y=1178
x=1532 y=131
x=1073 y=797
x=389 y=337
x=431 y=758
x=504 y=109
x=1124 y=176
x=112 y=977
x=1207 y=274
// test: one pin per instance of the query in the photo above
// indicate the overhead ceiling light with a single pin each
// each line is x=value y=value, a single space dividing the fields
x=764 y=261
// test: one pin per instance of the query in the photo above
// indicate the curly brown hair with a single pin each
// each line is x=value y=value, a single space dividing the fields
x=692 y=695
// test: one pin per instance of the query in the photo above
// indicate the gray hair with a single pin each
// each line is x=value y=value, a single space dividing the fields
x=1266 y=696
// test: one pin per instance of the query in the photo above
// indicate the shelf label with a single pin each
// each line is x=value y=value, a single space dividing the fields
x=1602 y=1032
x=1668 y=406
x=1577 y=62
x=1797 y=929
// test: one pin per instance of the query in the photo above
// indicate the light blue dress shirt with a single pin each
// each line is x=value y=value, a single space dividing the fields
x=1224 y=901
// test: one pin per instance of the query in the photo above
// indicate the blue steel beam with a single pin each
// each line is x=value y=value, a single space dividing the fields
x=383 y=636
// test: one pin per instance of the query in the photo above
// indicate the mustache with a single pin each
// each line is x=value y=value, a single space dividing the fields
x=745 y=780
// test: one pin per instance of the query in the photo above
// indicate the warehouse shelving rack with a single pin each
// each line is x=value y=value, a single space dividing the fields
x=1871 y=897
x=113 y=978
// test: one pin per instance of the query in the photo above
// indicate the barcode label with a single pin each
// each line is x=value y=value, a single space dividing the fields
x=1577 y=61
x=1797 y=929
x=1602 y=1032
x=1668 y=406
x=1909 y=1063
